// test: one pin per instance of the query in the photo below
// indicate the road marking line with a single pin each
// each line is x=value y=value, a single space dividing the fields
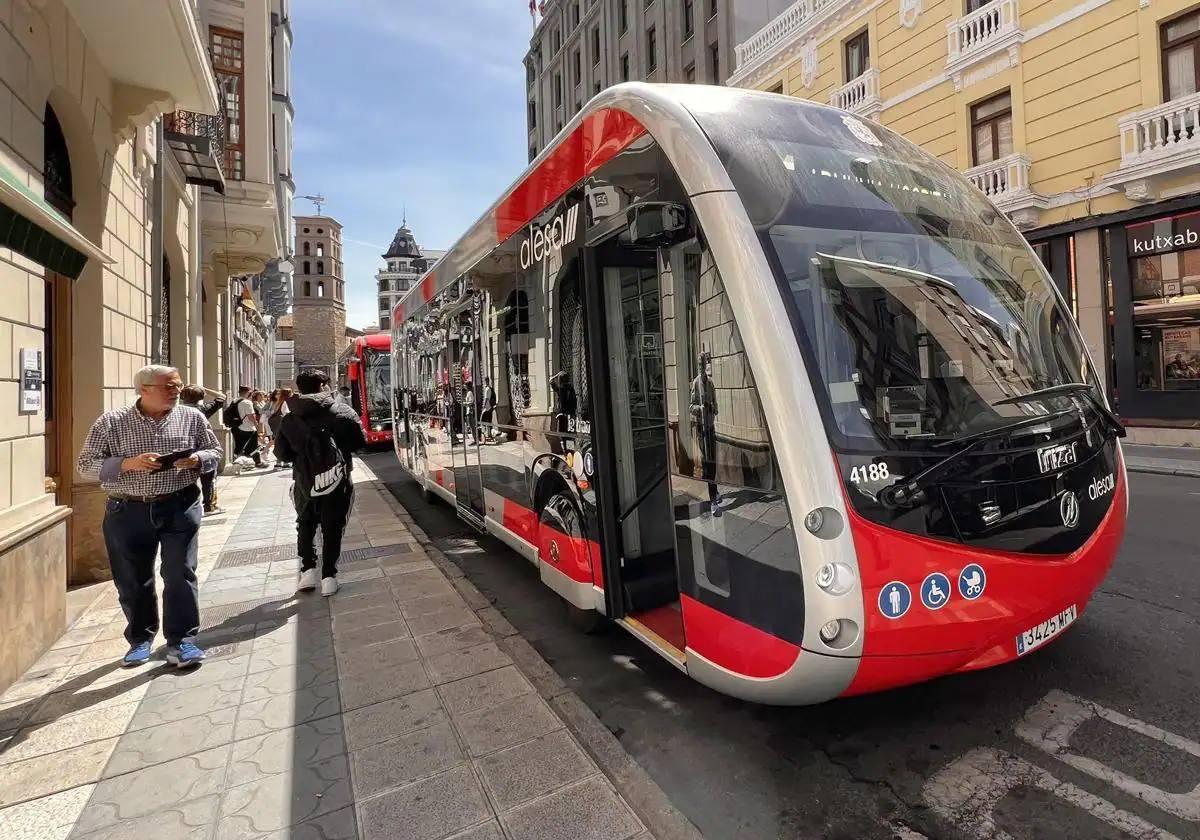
x=1050 y=724
x=966 y=792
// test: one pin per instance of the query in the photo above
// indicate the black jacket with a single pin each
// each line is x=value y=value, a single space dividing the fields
x=308 y=410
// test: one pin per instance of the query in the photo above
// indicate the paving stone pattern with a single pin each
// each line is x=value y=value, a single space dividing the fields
x=391 y=710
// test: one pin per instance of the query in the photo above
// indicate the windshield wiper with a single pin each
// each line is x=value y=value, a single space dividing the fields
x=909 y=491
x=1070 y=389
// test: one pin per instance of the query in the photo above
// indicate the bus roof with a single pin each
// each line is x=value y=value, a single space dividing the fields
x=376 y=341
x=610 y=121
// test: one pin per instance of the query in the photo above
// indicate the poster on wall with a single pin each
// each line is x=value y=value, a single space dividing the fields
x=1181 y=358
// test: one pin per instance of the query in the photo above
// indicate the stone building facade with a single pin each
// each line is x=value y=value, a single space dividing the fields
x=318 y=294
x=406 y=262
x=580 y=47
x=98 y=269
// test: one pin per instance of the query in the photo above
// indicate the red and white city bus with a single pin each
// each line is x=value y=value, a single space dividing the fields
x=773 y=389
x=369 y=377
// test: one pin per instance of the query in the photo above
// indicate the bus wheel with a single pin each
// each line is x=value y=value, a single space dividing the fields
x=561 y=545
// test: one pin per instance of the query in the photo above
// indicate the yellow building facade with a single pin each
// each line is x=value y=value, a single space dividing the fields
x=1079 y=118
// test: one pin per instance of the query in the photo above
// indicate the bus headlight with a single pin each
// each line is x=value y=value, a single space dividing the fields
x=835 y=578
x=823 y=522
x=377 y=428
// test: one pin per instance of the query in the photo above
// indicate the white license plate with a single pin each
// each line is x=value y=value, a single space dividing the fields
x=1039 y=634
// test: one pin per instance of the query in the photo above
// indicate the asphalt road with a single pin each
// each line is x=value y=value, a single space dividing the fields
x=1092 y=737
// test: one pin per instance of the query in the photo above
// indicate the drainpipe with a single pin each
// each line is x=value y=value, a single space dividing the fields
x=156 y=249
x=196 y=319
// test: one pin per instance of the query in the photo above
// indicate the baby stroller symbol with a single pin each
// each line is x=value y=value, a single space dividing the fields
x=972 y=580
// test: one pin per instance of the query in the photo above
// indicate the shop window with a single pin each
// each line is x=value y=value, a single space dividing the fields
x=991 y=129
x=1165 y=287
x=858 y=55
x=1181 y=56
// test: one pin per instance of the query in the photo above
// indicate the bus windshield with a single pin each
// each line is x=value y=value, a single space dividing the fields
x=918 y=306
x=378 y=380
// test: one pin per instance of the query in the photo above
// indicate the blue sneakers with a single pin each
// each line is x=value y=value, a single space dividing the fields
x=185 y=656
x=139 y=654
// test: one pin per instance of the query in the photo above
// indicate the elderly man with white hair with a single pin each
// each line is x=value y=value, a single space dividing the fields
x=148 y=457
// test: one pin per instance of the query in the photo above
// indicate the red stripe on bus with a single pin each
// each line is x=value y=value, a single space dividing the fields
x=521 y=521
x=594 y=142
x=733 y=644
x=428 y=288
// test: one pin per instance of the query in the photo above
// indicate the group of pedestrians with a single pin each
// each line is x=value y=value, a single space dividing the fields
x=157 y=460
x=254 y=419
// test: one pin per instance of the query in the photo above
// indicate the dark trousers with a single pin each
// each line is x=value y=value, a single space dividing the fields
x=134 y=532
x=206 y=487
x=708 y=460
x=330 y=514
x=246 y=443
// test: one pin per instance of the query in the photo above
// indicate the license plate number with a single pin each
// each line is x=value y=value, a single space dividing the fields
x=1055 y=458
x=1039 y=634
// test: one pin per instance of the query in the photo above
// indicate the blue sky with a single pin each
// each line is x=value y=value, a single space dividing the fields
x=401 y=103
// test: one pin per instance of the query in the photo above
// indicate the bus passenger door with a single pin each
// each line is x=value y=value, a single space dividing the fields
x=465 y=386
x=626 y=351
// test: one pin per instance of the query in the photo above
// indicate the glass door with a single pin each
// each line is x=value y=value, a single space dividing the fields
x=466 y=394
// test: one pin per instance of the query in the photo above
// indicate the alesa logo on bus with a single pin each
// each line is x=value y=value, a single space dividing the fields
x=550 y=239
x=1101 y=487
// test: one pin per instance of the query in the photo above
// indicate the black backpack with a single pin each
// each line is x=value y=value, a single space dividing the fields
x=320 y=468
x=230 y=416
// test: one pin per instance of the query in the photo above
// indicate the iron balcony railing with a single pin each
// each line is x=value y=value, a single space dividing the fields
x=198 y=142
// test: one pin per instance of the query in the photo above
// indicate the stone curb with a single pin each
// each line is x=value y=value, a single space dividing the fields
x=1188 y=472
x=643 y=795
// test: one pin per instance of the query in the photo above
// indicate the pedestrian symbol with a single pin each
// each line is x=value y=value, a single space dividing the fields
x=972 y=580
x=935 y=591
x=894 y=599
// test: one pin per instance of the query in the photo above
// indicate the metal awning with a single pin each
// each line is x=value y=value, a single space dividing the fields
x=34 y=229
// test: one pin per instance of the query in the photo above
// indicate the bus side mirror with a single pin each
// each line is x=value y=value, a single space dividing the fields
x=658 y=223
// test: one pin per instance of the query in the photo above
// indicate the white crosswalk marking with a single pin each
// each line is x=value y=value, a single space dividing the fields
x=966 y=792
x=1050 y=724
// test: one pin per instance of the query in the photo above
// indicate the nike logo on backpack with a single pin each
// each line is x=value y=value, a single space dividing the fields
x=324 y=482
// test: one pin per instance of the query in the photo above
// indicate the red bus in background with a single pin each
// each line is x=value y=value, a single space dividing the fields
x=369 y=378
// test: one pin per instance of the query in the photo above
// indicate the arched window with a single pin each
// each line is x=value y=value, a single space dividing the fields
x=321 y=289
x=307 y=249
x=320 y=266
x=307 y=287
x=307 y=267
x=56 y=174
x=320 y=249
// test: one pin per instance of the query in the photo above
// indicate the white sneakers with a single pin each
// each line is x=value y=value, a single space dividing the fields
x=329 y=586
x=308 y=580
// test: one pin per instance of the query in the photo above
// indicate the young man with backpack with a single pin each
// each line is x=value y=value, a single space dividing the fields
x=241 y=418
x=317 y=436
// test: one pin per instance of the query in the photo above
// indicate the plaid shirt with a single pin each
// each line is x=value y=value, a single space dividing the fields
x=125 y=432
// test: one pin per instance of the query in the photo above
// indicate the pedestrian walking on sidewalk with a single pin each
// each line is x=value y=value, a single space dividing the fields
x=194 y=395
x=318 y=436
x=242 y=420
x=148 y=457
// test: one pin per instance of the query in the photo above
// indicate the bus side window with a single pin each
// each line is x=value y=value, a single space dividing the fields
x=716 y=416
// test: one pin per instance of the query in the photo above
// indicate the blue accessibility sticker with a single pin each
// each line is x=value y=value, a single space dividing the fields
x=972 y=580
x=935 y=591
x=894 y=599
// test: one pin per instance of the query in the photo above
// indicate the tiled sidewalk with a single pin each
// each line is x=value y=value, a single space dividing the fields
x=387 y=711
